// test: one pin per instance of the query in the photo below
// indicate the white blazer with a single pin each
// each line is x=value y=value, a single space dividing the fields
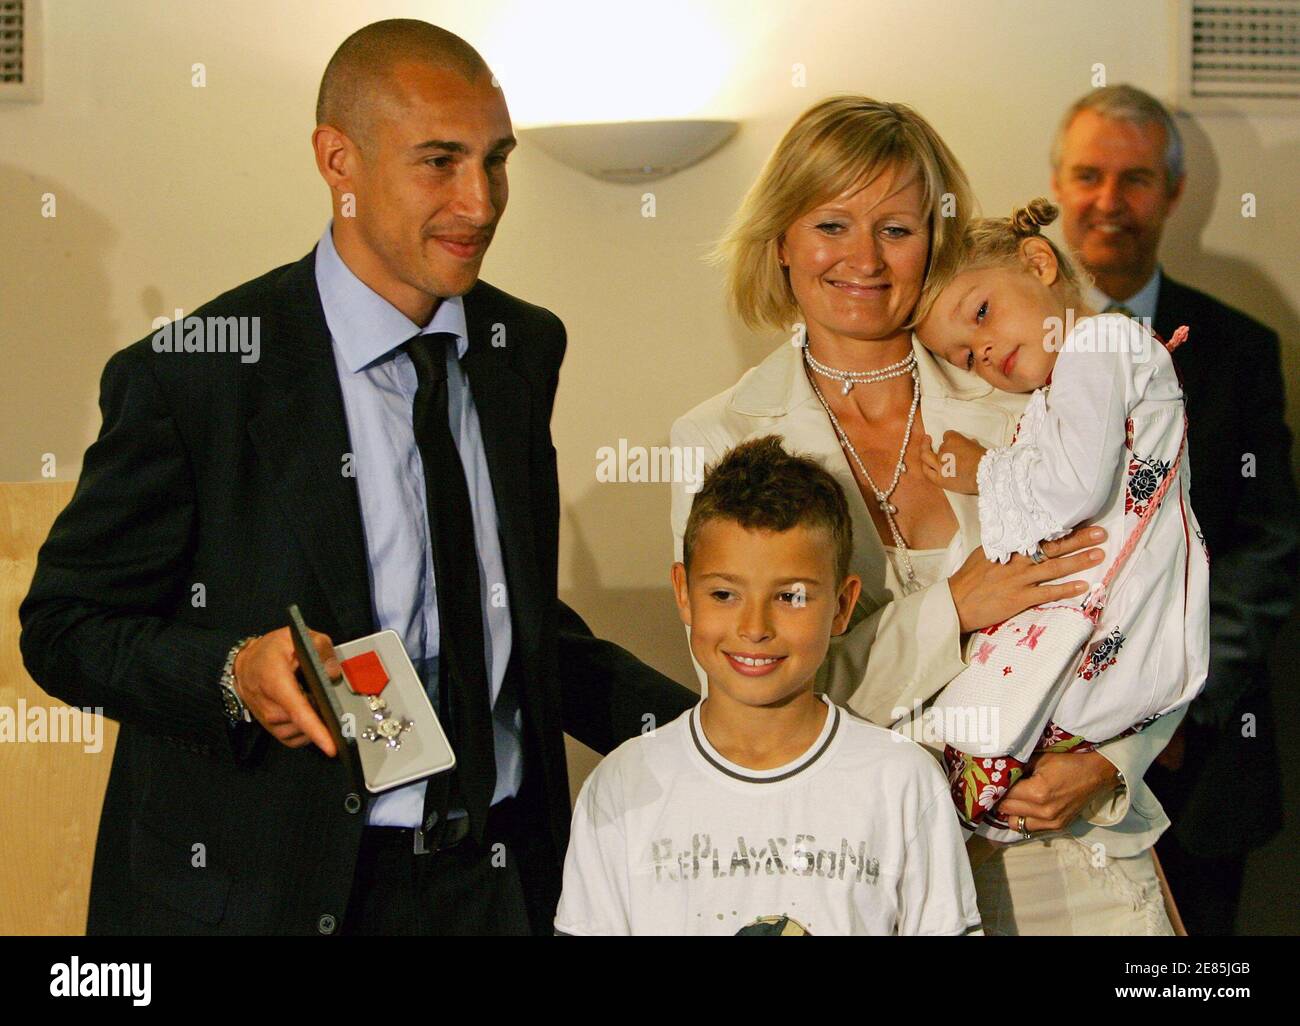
x=901 y=649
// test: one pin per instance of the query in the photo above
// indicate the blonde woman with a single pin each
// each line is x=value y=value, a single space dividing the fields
x=832 y=245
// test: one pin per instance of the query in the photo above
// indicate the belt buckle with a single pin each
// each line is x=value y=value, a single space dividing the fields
x=431 y=839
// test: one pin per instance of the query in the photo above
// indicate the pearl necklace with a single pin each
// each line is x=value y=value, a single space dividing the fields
x=850 y=378
x=882 y=498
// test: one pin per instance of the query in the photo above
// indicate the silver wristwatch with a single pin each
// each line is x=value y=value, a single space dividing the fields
x=236 y=711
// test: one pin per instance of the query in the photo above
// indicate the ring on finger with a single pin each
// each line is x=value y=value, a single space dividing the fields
x=1020 y=825
x=1038 y=555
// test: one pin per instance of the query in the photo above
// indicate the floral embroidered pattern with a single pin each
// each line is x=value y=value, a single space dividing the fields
x=1033 y=633
x=978 y=783
x=1102 y=654
x=1058 y=739
x=1144 y=477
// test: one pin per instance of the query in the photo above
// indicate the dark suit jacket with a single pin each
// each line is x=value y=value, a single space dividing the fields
x=1227 y=798
x=209 y=471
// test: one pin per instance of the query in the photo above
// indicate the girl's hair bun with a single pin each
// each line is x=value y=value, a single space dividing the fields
x=1027 y=220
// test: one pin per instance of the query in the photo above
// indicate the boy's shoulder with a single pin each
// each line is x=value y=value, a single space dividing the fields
x=885 y=748
x=903 y=778
x=655 y=751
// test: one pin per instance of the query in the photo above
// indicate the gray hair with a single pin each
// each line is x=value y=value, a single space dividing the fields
x=1127 y=103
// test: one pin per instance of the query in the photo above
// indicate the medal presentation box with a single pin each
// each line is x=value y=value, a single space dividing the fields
x=378 y=711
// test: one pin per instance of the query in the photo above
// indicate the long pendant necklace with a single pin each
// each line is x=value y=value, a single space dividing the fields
x=882 y=497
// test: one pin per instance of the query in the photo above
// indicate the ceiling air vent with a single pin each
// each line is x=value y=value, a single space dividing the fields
x=1241 y=55
x=19 y=49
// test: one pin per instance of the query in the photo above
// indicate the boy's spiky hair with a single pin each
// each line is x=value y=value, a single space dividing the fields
x=760 y=486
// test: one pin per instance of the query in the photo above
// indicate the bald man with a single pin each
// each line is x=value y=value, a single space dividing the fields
x=384 y=461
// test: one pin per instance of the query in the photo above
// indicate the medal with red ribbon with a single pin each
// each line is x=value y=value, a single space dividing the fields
x=366 y=677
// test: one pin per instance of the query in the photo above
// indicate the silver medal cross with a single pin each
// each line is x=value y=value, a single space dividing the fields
x=388 y=729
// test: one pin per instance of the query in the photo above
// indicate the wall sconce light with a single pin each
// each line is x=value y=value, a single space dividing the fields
x=632 y=151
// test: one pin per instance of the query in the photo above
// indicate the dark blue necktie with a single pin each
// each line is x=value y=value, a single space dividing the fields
x=462 y=667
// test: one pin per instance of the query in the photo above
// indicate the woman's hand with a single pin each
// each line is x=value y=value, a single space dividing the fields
x=1056 y=788
x=955 y=466
x=985 y=592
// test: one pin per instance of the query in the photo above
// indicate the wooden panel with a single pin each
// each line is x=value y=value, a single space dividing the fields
x=52 y=791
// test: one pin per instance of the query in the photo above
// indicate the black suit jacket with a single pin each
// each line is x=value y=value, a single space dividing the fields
x=1227 y=798
x=215 y=496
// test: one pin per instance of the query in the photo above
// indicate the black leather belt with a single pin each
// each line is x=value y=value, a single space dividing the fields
x=502 y=823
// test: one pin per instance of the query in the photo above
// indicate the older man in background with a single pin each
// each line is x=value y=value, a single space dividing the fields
x=1117 y=172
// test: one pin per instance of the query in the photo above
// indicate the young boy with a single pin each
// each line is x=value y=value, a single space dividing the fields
x=765 y=809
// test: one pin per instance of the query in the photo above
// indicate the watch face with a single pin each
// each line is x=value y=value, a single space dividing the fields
x=234 y=708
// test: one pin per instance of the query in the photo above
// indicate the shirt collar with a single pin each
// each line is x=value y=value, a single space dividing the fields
x=723 y=765
x=1142 y=302
x=364 y=325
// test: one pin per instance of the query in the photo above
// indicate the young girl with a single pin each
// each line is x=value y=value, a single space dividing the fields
x=1101 y=441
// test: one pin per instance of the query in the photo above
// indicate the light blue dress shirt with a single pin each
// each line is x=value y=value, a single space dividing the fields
x=379 y=382
x=1142 y=302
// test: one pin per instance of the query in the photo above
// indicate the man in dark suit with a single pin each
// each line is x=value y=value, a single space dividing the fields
x=381 y=456
x=1117 y=169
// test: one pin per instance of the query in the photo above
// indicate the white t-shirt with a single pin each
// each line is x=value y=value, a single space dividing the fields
x=856 y=836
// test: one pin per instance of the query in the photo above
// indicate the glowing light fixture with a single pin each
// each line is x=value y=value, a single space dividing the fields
x=622 y=92
x=631 y=151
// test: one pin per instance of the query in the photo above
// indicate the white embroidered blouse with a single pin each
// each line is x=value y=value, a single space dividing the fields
x=1092 y=448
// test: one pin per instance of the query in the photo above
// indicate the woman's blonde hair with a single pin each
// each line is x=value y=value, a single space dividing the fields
x=841 y=142
x=995 y=242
